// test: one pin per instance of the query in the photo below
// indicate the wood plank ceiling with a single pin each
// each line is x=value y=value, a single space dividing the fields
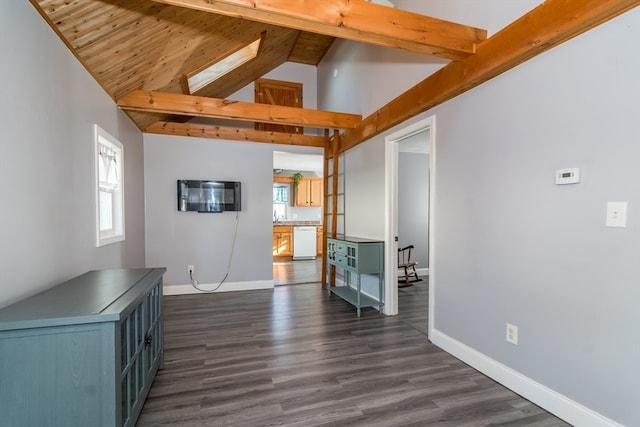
x=140 y=50
x=149 y=46
x=139 y=44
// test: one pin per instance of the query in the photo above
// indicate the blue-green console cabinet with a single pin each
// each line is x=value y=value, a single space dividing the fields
x=358 y=256
x=83 y=353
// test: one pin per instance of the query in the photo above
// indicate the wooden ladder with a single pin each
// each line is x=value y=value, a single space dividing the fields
x=334 y=201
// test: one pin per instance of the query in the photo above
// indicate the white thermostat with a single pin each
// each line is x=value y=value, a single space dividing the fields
x=568 y=176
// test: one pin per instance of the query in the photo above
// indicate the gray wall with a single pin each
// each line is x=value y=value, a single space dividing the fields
x=48 y=105
x=175 y=239
x=510 y=246
x=364 y=192
x=413 y=205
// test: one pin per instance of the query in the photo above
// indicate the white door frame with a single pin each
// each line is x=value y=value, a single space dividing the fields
x=391 y=212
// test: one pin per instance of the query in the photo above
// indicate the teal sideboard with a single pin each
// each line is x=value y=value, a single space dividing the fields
x=358 y=256
x=83 y=353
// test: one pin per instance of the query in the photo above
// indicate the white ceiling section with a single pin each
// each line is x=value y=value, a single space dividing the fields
x=294 y=161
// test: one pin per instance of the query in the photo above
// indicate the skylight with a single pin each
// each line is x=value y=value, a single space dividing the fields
x=213 y=71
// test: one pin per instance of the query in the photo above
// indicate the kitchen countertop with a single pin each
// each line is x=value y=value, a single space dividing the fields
x=294 y=222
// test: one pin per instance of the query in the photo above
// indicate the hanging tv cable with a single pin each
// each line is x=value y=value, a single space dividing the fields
x=194 y=282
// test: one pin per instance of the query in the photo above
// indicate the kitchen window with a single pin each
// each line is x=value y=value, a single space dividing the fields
x=281 y=200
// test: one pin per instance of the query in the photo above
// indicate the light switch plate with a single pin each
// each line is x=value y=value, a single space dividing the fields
x=616 y=214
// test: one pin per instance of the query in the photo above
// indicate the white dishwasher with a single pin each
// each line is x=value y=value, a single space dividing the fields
x=304 y=242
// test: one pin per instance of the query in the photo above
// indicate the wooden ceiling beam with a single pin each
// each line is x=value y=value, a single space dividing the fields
x=234 y=134
x=356 y=20
x=200 y=106
x=546 y=26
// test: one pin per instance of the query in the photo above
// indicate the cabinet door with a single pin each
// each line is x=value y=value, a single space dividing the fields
x=141 y=353
x=132 y=332
x=316 y=192
x=319 y=242
x=153 y=335
x=309 y=192
x=286 y=243
x=276 y=243
x=282 y=240
x=302 y=194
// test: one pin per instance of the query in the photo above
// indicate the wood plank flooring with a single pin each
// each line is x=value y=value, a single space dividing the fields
x=297 y=272
x=294 y=356
x=413 y=304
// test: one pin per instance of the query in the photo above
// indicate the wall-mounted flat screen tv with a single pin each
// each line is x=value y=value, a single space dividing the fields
x=208 y=196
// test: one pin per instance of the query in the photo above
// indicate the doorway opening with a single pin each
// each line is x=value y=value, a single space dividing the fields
x=409 y=193
x=297 y=223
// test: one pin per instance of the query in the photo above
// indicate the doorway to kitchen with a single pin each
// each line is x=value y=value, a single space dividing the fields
x=297 y=217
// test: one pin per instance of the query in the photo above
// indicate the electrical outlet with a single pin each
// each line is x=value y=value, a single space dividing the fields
x=512 y=334
x=190 y=269
x=616 y=214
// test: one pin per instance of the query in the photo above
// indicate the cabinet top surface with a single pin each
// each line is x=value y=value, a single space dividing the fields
x=353 y=239
x=89 y=294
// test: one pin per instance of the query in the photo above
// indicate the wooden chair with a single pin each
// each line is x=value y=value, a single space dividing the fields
x=407 y=267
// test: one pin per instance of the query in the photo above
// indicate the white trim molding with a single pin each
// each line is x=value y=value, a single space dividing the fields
x=391 y=211
x=548 y=399
x=185 y=289
x=420 y=271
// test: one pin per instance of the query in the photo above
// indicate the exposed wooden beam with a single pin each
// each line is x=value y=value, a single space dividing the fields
x=199 y=106
x=548 y=25
x=354 y=20
x=234 y=134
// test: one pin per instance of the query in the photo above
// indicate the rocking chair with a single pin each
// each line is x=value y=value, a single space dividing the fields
x=408 y=273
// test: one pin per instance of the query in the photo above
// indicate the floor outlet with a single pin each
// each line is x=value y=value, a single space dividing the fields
x=512 y=334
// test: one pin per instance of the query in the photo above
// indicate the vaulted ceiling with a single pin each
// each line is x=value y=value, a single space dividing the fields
x=145 y=45
x=139 y=51
x=140 y=44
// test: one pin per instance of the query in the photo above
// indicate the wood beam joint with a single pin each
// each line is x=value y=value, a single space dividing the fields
x=198 y=106
x=234 y=134
x=353 y=20
x=546 y=26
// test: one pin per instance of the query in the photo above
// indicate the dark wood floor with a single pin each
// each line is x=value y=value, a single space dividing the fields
x=413 y=304
x=297 y=272
x=413 y=300
x=294 y=356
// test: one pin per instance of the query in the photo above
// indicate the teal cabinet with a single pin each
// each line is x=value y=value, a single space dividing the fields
x=83 y=353
x=357 y=256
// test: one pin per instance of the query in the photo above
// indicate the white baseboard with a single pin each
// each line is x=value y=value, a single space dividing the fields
x=226 y=287
x=548 y=399
x=420 y=271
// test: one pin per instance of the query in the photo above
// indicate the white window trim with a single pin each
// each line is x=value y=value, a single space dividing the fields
x=117 y=233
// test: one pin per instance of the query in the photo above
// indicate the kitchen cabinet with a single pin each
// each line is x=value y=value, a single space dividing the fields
x=319 y=241
x=309 y=193
x=83 y=353
x=282 y=240
x=357 y=256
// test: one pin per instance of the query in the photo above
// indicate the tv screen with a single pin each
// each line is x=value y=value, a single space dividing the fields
x=208 y=196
